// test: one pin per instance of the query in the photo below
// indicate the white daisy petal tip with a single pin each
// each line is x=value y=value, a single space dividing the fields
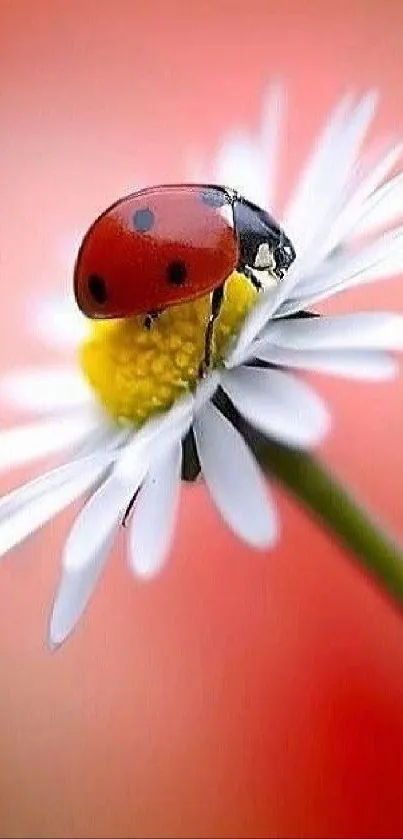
x=278 y=404
x=66 y=613
x=53 y=646
x=234 y=480
x=61 y=621
x=58 y=631
x=237 y=166
x=76 y=588
x=358 y=331
x=369 y=365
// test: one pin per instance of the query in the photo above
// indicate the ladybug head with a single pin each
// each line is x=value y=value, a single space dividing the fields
x=284 y=254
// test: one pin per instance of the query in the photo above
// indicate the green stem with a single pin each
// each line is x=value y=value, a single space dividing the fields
x=321 y=493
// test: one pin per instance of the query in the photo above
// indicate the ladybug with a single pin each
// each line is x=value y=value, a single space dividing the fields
x=166 y=245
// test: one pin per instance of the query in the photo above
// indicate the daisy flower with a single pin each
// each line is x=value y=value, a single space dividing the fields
x=133 y=418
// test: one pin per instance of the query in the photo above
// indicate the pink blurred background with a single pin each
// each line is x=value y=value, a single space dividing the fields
x=237 y=694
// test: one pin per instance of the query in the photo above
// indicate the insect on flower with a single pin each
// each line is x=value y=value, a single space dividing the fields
x=166 y=245
x=133 y=417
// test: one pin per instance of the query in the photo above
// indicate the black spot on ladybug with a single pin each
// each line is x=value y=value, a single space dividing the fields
x=177 y=272
x=143 y=220
x=214 y=197
x=97 y=288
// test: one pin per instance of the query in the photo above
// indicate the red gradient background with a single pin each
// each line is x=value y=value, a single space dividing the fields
x=237 y=694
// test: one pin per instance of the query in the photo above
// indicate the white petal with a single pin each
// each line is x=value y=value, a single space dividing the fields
x=255 y=320
x=360 y=330
x=98 y=521
x=382 y=208
x=45 y=390
x=338 y=226
x=28 y=508
x=236 y=165
x=30 y=442
x=234 y=480
x=278 y=404
x=155 y=436
x=269 y=142
x=390 y=266
x=351 y=140
x=107 y=437
x=307 y=218
x=51 y=480
x=352 y=268
x=206 y=389
x=106 y=508
x=368 y=194
x=246 y=162
x=328 y=170
x=330 y=190
x=302 y=207
x=154 y=514
x=74 y=591
x=58 y=321
x=353 y=364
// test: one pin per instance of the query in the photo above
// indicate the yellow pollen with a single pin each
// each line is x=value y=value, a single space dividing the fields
x=136 y=372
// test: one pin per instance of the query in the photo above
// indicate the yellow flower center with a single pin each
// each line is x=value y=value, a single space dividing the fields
x=136 y=372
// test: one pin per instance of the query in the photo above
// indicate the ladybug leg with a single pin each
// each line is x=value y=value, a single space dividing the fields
x=150 y=318
x=129 y=508
x=248 y=273
x=216 y=303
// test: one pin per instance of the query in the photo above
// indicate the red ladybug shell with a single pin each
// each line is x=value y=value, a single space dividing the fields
x=156 y=248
